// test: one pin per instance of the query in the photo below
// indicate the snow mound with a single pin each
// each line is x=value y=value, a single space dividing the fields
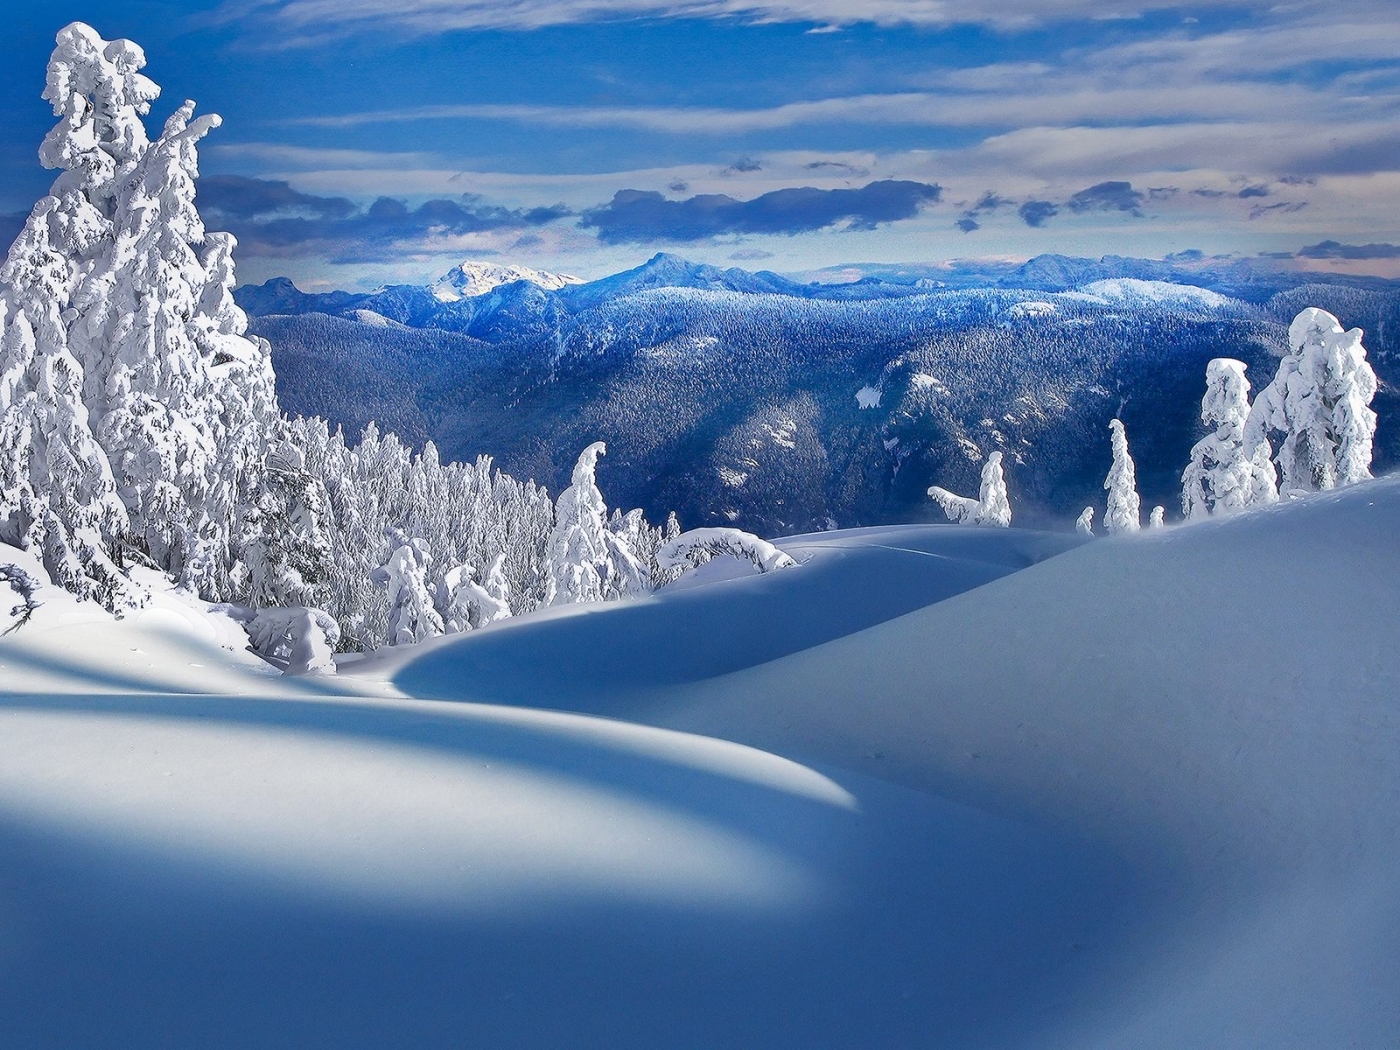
x=471 y=279
x=375 y=320
x=1129 y=291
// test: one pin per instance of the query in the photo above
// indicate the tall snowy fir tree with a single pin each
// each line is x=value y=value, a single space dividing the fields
x=1224 y=476
x=1123 y=512
x=1319 y=406
x=145 y=390
x=581 y=560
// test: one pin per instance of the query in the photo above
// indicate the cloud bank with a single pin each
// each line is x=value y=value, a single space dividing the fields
x=643 y=216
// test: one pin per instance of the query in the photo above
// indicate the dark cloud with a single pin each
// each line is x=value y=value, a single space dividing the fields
x=679 y=186
x=641 y=216
x=750 y=255
x=1298 y=180
x=989 y=201
x=1036 y=213
x=1203 y=192
x=1282 y=208
x=270 y=218
x=1336 y=250
x=838 y=166
x=1162 y=193
x=1108 y=196
x=1186 y=255
x=1254 y=191
x=246 y=198
x=743 y=166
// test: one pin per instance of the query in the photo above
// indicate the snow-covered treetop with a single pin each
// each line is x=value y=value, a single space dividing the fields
x=96 y=86
x=1226 y=400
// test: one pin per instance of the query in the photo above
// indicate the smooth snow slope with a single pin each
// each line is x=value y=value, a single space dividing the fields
x=584 y=657
x=1141 y=794
x=1218 y=704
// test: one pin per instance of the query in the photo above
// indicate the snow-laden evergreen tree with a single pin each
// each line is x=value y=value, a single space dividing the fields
x=580 y=557
x=131 y=407
x=1124 y=510
x=992 y=507
x=287 y=555
x=468 y=605
x=412 y=617
x=1224 y=476
x=1084 y=524
x=1158 y=518
x=1319 y=405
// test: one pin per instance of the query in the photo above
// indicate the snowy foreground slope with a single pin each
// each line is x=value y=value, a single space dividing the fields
x=1143 y=793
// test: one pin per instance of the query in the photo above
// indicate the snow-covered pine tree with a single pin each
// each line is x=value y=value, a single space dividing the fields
x=467 y=605
x=404 y=576
x=580 y=561
x=1223 y=476
x=1319 y=404
x=1084 y=524
x=286 y=552
x=992 y=507
x=57 y=494
x=1124 y=510
x=156 y=402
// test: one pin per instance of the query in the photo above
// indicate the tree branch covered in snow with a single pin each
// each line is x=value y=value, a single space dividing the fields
x=23 y=586
x=991 y=507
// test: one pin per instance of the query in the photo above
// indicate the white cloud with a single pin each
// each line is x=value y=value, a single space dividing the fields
x=305 y=20
x=1062 y=100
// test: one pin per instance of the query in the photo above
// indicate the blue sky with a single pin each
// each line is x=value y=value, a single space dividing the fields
x=368 y=141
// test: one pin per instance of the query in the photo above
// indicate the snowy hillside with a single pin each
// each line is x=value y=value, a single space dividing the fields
x=1017 y=815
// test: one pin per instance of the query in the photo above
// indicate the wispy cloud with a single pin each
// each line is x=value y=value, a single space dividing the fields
x=1062 y=104
x=303 y=21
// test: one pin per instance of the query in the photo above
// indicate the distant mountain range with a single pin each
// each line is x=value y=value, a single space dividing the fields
x=782 y=405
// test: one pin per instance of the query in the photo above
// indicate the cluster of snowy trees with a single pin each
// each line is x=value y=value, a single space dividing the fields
x=1309 y=430
x=1317 y=409
x=139 y=424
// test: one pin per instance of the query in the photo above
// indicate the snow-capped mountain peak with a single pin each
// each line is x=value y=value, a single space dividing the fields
x=477 y=278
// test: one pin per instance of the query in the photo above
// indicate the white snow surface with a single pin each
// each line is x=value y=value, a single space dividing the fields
x=470 y=279
x=932 y=787
x=1134 y=292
